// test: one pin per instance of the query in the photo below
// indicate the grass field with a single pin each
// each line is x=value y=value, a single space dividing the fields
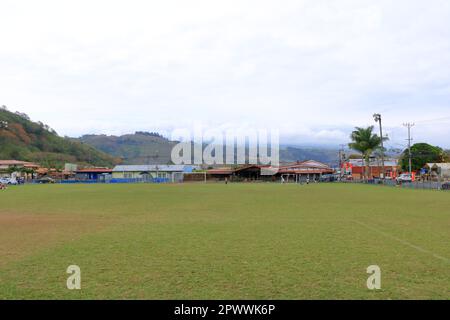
x=216 y=241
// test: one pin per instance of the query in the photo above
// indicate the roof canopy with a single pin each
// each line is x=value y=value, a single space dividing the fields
x=444 y=166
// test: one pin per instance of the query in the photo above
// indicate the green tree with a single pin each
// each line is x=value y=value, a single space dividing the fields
x=365 y=142
x=421 y=154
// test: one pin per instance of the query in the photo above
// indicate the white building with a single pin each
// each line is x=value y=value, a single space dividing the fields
x=439 y=170
x=163 y=173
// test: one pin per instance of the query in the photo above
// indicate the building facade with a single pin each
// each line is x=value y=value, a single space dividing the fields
x=94 y=174
x=356 y=168
x=150 y=173
x=16 y=168
x=293 y=172
x=436 y=171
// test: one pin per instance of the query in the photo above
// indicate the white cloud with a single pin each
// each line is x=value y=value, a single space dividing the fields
x=312 y=69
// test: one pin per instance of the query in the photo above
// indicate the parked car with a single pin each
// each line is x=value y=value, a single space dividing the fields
x=8 y=181
x=405 y=177
x=45 y=180
x=445 y=186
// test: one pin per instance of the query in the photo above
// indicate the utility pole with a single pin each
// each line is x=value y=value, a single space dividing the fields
x=377 y=118
x=409 y=126
x=341 y=160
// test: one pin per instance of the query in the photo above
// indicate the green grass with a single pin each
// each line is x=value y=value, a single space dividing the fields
x=216 y=241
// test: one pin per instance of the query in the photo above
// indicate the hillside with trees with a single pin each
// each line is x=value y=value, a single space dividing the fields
x=23 y=139
x=138 y=148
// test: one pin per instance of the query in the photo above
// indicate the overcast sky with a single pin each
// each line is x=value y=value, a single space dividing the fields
x=312 y=69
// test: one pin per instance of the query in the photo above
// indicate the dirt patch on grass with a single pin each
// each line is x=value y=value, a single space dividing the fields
x=25 y=234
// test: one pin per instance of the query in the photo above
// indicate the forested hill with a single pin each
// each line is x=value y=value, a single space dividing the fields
x=137 y=148
x=23 y=139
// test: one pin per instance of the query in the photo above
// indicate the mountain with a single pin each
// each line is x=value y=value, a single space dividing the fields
x=23 y=139
x=137 y=148
x=329 y=156
x=152 y=148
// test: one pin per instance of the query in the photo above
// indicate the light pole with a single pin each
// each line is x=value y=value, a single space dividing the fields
x=377 y=118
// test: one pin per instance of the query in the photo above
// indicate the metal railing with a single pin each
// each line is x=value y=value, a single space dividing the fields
x=419 y=185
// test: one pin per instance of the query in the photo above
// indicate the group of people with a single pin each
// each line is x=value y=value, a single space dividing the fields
x=3 y=186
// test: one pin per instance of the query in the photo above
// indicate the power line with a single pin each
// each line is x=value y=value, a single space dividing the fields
x=434 y=120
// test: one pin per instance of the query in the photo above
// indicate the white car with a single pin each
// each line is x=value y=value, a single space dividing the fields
x=8 y=181
x=405 y=177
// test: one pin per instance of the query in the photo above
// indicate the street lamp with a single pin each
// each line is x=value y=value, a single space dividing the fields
x=377 y=118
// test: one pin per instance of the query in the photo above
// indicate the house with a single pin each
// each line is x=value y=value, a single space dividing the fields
x=54 y=173
x=94 y=174
x=149 y=173
x=437 y=170
x=303 y=170
x=356 y=168
x=6 y=167
x=70 y=167
x=297 y=171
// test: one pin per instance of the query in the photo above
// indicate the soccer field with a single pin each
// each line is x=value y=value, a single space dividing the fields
x=217 y=241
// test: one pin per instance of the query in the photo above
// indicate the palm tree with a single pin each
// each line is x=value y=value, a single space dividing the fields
x=366 y=142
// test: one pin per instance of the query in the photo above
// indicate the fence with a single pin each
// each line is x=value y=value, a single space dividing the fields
x=421 y=185
x=113 y=181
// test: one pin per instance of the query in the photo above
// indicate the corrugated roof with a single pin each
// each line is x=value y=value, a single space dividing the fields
x=17 y=163
x=305 y=164
x=150 y=168
x=306 y=171
x=373 y=163
x=224 y=171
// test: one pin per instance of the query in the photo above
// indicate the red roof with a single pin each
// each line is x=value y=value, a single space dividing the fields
x=305 y=164
x=223 y=171
x=306 y=171
x=17 y=163
x=251 y=166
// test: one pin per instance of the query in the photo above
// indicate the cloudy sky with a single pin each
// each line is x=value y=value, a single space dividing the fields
x=312 y=69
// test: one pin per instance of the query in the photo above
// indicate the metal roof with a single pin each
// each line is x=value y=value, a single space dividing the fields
x=225 y=171
x=373 y=163
x=150 y=168
x=305 y=164
x=18 y=163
